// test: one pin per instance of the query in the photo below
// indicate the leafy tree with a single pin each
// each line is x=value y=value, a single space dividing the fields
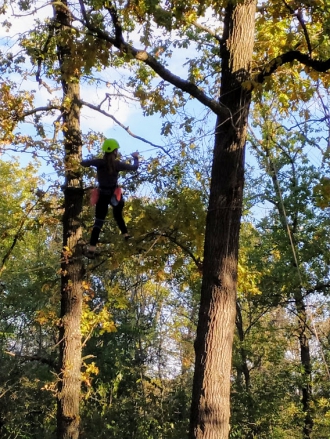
x=151 y=288
x=234 y=51
x=29 y=287
x=237 y=20
x=297 y=271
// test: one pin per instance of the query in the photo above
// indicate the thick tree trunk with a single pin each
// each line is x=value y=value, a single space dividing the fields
x=68 y=396
x=210 y=411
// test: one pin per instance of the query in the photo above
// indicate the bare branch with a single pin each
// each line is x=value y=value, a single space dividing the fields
x=40 y=109
x=209 y=31
x=97 y=108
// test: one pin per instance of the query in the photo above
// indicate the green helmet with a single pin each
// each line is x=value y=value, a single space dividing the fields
x=110 y=145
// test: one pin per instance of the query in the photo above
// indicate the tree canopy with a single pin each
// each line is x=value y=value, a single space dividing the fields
x=221 y=299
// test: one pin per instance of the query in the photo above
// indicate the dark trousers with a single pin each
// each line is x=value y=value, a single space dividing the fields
x=101 y=210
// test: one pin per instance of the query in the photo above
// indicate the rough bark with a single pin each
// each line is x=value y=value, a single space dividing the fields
x=210 y=411
x=69 y=382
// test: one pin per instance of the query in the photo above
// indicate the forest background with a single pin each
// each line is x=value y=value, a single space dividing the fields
x=139 y=303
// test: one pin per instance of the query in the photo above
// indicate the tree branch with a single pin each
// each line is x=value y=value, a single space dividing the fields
x=317 y=288
x=39 y=109
x=97 y=108
x=25 y=358
x=288 y=57
x=209 y=31
x=302 y=23
x=16 y=237
x=142 y=55
x=197 y=261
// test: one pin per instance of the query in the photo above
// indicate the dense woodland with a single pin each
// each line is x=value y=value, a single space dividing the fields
x=213 y=322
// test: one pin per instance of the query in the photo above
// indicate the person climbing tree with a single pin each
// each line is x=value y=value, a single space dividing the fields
x=108 y=169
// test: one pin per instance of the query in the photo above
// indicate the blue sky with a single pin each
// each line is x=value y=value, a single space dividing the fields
x=127 y=113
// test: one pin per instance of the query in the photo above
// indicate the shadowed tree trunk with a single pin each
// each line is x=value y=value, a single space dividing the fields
x=306 y=365
x=69 y=382
x=210 y=411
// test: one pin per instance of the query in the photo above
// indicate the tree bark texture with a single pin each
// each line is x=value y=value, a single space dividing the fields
x=210 y=410
x=72 y=270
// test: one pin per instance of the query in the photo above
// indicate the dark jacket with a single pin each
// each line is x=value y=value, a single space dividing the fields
x=106 y=180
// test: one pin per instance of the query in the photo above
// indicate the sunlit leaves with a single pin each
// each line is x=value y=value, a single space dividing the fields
x=12 y=107
x=165 y=256
x=28 y=316
x=321 y=192
x=248 y=274
x=96 y=320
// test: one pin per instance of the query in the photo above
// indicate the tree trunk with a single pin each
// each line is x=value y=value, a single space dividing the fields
x=210 y=410
x=306 y=365
x=242 y=368
x=244 y=385
x=69 y=382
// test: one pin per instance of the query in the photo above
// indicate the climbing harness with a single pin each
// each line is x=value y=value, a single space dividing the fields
x=94 y=196
x=116 y=197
